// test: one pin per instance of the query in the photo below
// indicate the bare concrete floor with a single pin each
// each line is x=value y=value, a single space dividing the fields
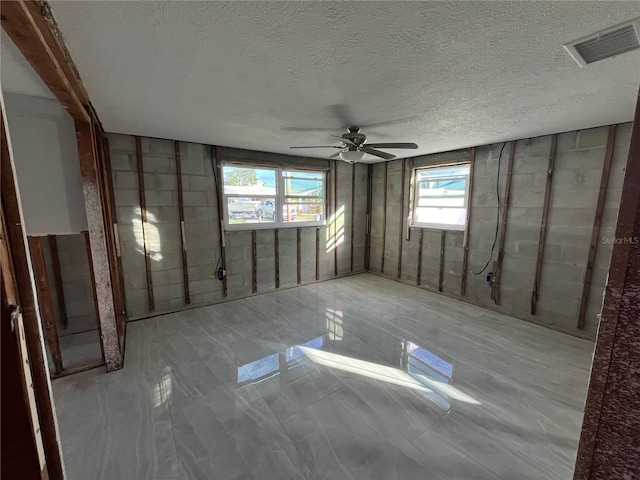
x=355 y=378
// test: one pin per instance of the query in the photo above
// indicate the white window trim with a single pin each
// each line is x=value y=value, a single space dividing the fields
x=414 y=200
x=279 y=197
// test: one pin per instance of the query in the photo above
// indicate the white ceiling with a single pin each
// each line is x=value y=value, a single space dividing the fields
x=242 y=74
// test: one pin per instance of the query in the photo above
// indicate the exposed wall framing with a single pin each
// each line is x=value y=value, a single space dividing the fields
x=57 y=278
x=467 y=225
x=443 y=239
x=353 y=211
x=276 y=244
x=420 y=247
x=597 y=222
x=183 y=235
x=145 y=225
x=401 y=229
x=543 y=224
x=384 y=216
x=254 y=263
x=94 y=292
x=495 y=287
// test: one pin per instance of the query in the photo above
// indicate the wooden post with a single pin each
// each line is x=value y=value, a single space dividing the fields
x=183 y=233
x=57 y=276
x=116 y=239
x=44 y=301
x=254 y=262
x=495 y=287
x=384 y=217
x=409 y=216
x=401 y=229
x=443 y=235
x=145 y=225
x=595 y=233
x=467 y=225
x=367 y=240
x=223 y=243
x=353 y=210
x=317 y=254
x=95 y=220
x=335 y=216
x=276 y=235
x=543 y=223
x=420 y=246
x=87 y=243
x=299 y=255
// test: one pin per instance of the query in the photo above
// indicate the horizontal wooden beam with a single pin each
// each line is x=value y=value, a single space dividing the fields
x=31 y=27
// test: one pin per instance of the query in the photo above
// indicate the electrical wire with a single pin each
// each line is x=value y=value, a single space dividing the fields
x=495 y=238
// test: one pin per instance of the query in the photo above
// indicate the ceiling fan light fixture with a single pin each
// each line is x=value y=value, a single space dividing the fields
x=352 y=156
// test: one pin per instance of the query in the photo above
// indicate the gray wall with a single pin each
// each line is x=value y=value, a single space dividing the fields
x=43 y=139
x=576 y=181
x=202 y=227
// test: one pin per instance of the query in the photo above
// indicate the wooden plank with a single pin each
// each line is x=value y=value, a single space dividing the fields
x=401 y=229
x=183 y=233
x=16 y=241
x=119 y=274
x=299 y=255
x=276 y=235
x=335 y=216
x=597 y=222
x=145 y=225
x=353 y=210
x=30 y=31
x=543 y=223
x=254 y=262
x=384 y=217
x=495 y=287
x=367 y=240
x=467 y=225
x=420 y=247
x=87 y=243
x=317 y=254
x=90 y=171
x=223 y=243
x=443 y=239
x=57 y=276
x=47 y=313
x=409 y=216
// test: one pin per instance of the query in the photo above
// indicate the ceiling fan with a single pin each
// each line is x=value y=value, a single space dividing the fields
x=355 y=147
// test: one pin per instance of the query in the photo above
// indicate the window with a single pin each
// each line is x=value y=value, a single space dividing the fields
x=263 y=197
x=440 y=197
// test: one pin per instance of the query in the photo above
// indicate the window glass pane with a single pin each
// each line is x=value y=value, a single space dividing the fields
x=249 y=181
x=303 y=212
x=441 y=216
x=304 y=175
x=251 y=210
x=459 y=171
x=296 y=186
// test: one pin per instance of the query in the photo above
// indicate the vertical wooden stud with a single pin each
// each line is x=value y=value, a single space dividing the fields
x=299 y=255
x=145 y=226
x=420 y=246
x=335 y=216
x=353 y=210
x=223 y=243
x=254 y=262
x=317 y=254
x=443 y=239
x=401 y=229
x=384 y=217
x=57 y=276
x=597 y=221
x=276 y=235
x=495 y=287
x=367 y=240
x=87 y=244
x=543 y=223
x=183 y=235
x=467 y=225
x=44 y=301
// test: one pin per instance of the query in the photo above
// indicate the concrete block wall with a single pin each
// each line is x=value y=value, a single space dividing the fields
x=576 y=180
x=202 y=227
x=76 y=284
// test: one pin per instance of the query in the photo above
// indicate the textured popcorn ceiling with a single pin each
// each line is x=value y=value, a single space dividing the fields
x=242 y=74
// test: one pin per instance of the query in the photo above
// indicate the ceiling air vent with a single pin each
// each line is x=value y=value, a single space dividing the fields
x=605 y=44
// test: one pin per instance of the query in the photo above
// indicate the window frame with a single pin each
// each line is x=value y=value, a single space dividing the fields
x=279 y=198
x=415 y=193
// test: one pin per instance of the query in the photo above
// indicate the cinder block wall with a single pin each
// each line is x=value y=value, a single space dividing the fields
x=575 y=187
x=202 y=227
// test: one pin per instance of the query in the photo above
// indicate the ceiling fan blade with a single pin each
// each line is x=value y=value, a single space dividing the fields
x=320 y=146
x=378 y=153
x=392 y=145
x=335 y=155
x=392 y=122
x=345 y=140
